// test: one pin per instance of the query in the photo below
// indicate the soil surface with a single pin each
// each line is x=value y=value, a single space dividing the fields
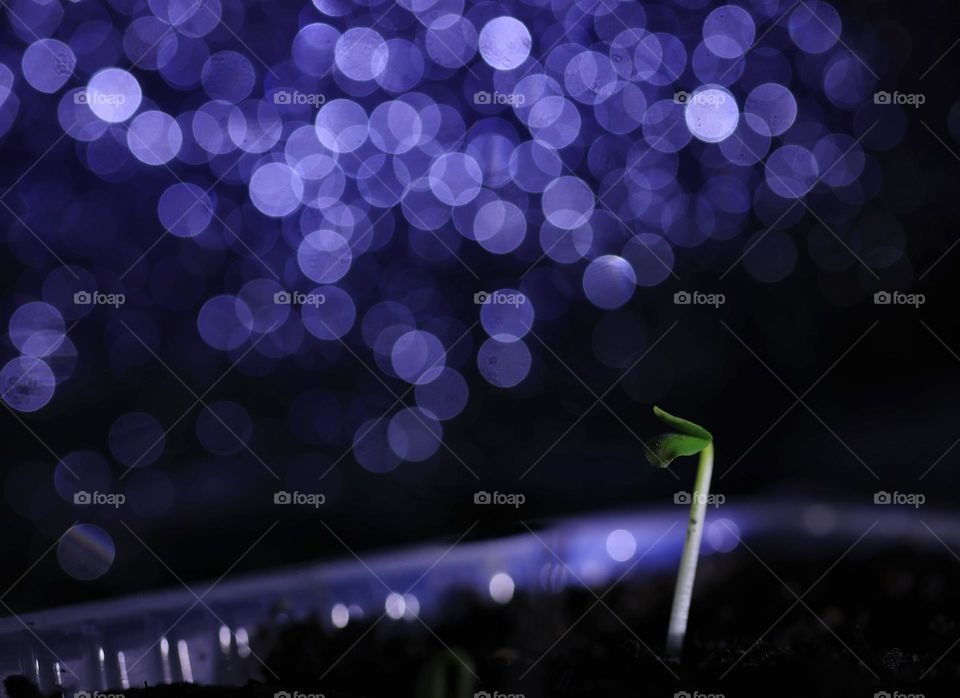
x=808 y=626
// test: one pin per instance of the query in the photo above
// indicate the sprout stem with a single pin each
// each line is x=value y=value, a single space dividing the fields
x=691 y=552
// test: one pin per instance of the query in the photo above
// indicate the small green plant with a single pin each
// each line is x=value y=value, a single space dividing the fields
x=685 y=439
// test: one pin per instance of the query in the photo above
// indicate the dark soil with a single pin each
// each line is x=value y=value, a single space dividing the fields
x=898 y=613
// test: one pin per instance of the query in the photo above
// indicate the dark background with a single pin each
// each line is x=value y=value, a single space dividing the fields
x=890 y=402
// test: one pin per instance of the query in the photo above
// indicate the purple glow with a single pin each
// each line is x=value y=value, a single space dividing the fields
x=773 y=106
x=276 y=189
x=136 y=439
x=729 y=31
x=361 y=53
x=154 y=138
x=504 y=364
x=507 y=315
x=324 y=256
x=792 y=171
x=711 y=114
x=47 y=64
x=455 y=178
x=814 y=26
x=229 y=76
x=224 y=322
x=568 y=202
x=505 y=43
x=414 y=435
x=418 y=357
x=332 y=318
x=36 y=329
x=185 y=210
x=609 y=281
x=113 y=95
x=86 y=552
x=444 y=397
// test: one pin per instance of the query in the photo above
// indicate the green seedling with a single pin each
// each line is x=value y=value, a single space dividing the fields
x=685 y=439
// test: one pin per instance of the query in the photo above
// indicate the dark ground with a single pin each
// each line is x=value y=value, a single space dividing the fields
x=875 y=623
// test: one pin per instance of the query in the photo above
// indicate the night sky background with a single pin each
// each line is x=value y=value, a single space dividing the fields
x=880 y=413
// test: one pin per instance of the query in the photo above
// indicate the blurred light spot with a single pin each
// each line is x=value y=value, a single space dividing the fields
x=340 y=615
x=276 y=189
x=243 y=642
x=819 y=519
x=332 y=318
x=185 y=210
x=621 y=545
x=609 y=281
x=444 y=397
x=85 y=552
x=791 y=171
x=414 y=435
x=47 y=64
x=723 y=535
x=814 y=26
x=568 y=202
x=501 y=587
x=506 y=314
x=372 y=449
x=728 y=31
x=411 y=607
x=361 y=53
x=504 y=43
x=154 y=138
x=418 y=357
x=225 y=636
x=113 y=95
x=395 y=606
x=229 y=76
x=136 y=439
x=27 y=384
x=183 y=653
x=711 y=114
x=774 y=106
x=504 y=364
x=36 y=329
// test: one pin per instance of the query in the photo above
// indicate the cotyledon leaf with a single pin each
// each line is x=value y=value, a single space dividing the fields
x=688 y=440
x=682 y=425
